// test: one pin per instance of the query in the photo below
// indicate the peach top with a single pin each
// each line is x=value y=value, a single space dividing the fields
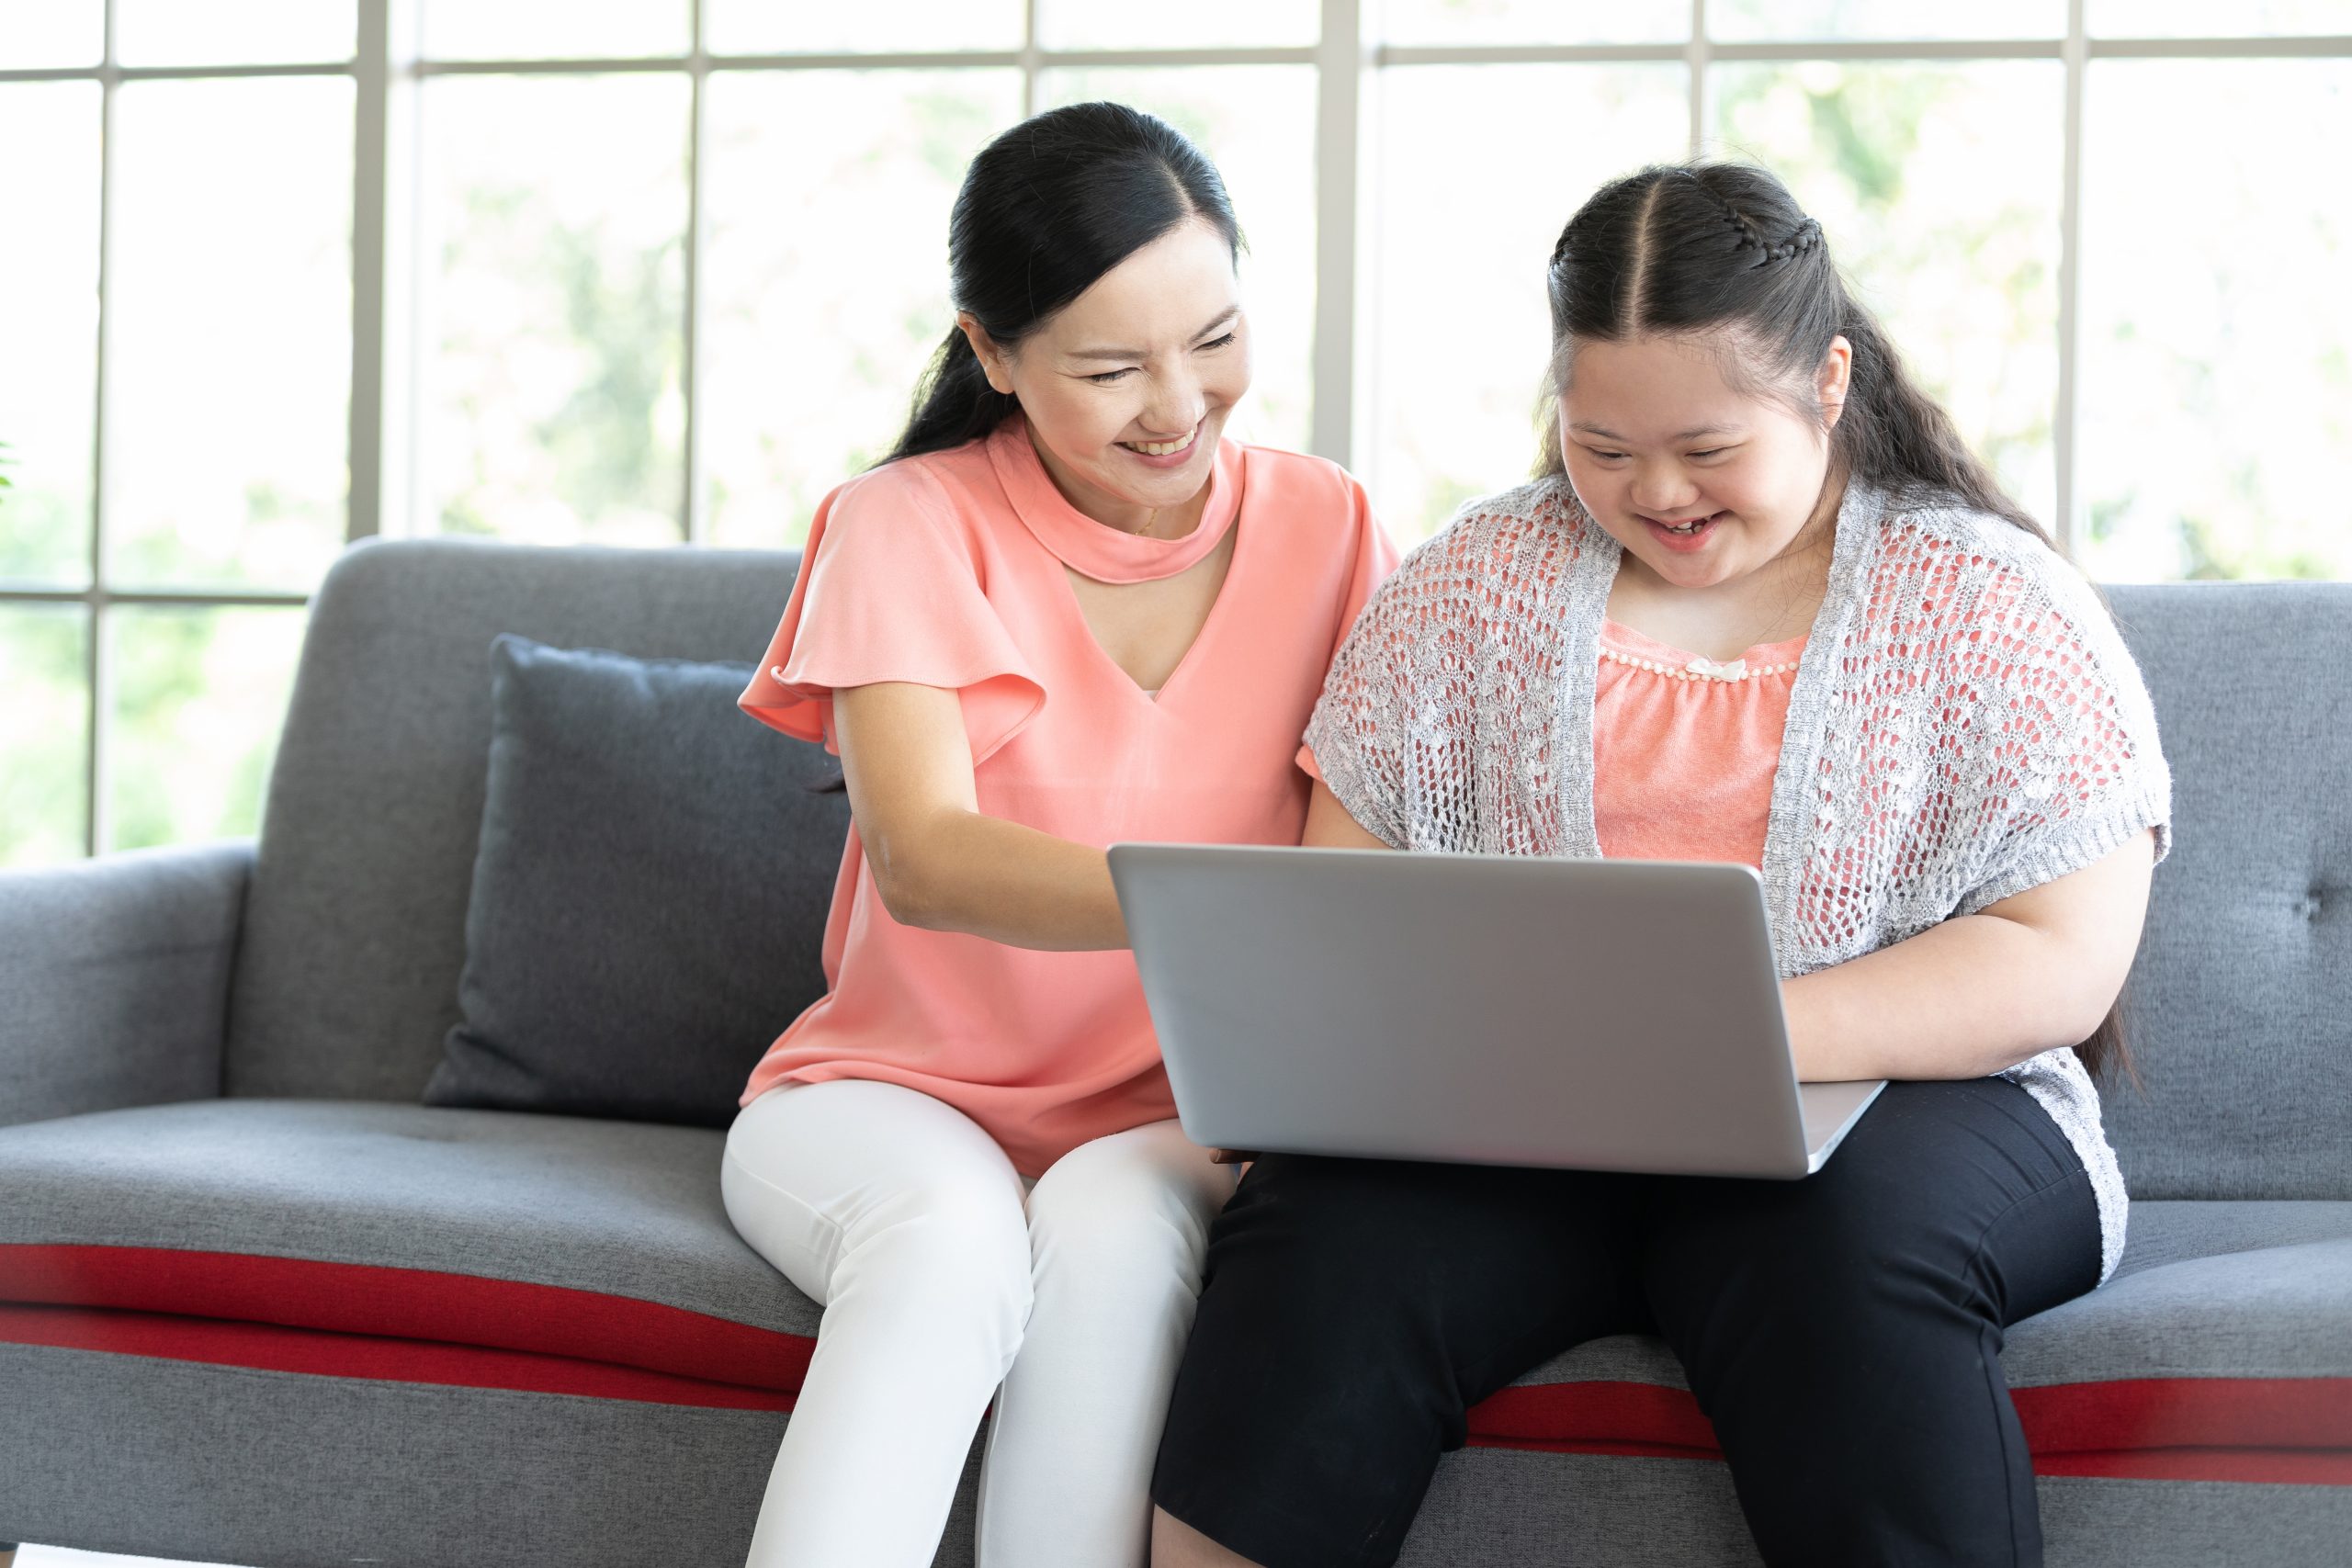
x=1682 y=766
x=952 y=569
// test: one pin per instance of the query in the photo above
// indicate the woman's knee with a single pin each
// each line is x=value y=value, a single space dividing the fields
x=933 y=1224
x=1139 y=1201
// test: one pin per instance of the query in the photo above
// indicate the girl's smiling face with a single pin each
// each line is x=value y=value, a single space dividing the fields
x=1702 y=482
x=1127 y=387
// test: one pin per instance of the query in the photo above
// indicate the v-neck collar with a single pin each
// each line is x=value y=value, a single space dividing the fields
x=1096 y=549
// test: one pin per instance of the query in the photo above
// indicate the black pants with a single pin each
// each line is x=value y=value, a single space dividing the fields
x=1843 y=1332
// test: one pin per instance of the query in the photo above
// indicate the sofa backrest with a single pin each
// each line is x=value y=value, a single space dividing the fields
x=2240 y=1000
x=347 y=977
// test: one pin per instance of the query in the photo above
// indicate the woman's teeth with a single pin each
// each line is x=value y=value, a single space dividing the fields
x=1160 y=449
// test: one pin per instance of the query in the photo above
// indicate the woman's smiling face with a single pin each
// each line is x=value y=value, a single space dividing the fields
x=1127 y=387
x=1702 y=482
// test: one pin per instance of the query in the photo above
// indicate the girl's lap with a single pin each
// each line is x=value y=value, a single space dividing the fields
x=1355 y=1310
x=1933 y=1164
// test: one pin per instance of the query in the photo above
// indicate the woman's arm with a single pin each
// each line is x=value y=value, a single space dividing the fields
x=939 y=863
x=1329 y=827
x=1980 y=992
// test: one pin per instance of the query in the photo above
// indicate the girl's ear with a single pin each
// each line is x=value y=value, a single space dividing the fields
x=1835 y=374
x=992 y=357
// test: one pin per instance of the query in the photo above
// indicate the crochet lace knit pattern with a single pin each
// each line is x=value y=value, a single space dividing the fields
x=1965 y=724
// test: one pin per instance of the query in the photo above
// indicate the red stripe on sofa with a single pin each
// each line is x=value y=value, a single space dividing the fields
x=408 y=1303
x=2164 y=1413
x=274 y=1348
x=2287 y=1429
x=1595 y=1411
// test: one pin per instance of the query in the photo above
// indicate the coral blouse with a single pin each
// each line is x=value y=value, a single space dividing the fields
x=952 y=569
x=1682 y=765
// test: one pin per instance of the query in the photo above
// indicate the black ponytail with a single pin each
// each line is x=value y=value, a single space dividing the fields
x=1044 y=210
x=1697 y=247
x=1692 y=247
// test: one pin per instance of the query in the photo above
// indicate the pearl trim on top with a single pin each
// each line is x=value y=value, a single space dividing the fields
x=1700 y=669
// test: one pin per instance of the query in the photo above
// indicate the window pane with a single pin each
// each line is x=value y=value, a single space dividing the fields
x=41 y=34
x=1939 y=189
x=1535 y=21
x=44 y=733
x=1461 y=230
x=552 y=307
x=1745 y=20
x=199 y=698
x=2216 y=423
x=923 y=26
x=49 y=323
x=234 y=32
x=533 y=29
x=1257 y=122
x=2202 y=18
x=827 y=207
x=1203 y=24
x=229 y=372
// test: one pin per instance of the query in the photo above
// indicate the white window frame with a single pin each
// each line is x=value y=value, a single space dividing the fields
x=387 y=70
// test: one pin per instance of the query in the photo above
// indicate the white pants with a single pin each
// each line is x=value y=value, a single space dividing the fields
x=941 y=1280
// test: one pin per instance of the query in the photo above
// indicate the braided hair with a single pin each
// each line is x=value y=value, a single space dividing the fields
x=1724 y=247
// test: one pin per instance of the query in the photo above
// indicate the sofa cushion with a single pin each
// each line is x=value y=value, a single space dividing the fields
x=2222 y=1350
x=347 y=977
x=649 y=896
x=376 y=1235
x=562 y=1255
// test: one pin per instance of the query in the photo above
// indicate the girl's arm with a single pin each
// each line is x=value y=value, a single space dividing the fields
x=1980 y=992
x=939 y=863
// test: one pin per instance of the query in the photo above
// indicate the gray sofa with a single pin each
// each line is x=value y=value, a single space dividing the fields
x=264 y=1307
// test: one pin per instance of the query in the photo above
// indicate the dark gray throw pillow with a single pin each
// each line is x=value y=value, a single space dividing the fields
x=649 y=893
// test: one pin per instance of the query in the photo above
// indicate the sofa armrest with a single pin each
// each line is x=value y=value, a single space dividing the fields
x=114 y=978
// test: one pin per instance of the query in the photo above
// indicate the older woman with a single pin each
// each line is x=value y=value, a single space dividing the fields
x=1064 y=611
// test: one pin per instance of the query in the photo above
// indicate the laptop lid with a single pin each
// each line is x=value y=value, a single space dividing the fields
x=1619 y=1015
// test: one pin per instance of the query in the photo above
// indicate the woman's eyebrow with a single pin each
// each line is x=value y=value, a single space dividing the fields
x=1692 y=434
x=1230 y=311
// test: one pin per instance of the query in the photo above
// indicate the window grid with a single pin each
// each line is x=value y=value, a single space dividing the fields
x=386 y=69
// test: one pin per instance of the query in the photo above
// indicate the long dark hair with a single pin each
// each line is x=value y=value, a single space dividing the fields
x=1725 y=248
x=1044 y=210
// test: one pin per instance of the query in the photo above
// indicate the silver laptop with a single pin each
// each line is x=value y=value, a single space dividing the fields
x=1504 y=1009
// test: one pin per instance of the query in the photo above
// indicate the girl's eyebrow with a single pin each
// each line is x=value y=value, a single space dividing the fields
x=1230 y=311
x=1692 y=434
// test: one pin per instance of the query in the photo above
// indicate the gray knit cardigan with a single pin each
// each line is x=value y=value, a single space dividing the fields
x=1965 y=724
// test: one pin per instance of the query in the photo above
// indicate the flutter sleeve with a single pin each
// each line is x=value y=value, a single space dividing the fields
x=1374 y=559
x=2075 y=768
x=890 y=590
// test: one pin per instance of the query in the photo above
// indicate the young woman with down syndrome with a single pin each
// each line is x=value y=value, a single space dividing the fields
x=1762 y=604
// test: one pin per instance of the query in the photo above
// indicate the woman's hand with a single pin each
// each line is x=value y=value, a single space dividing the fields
x=939 y=862
x=1982 y=992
